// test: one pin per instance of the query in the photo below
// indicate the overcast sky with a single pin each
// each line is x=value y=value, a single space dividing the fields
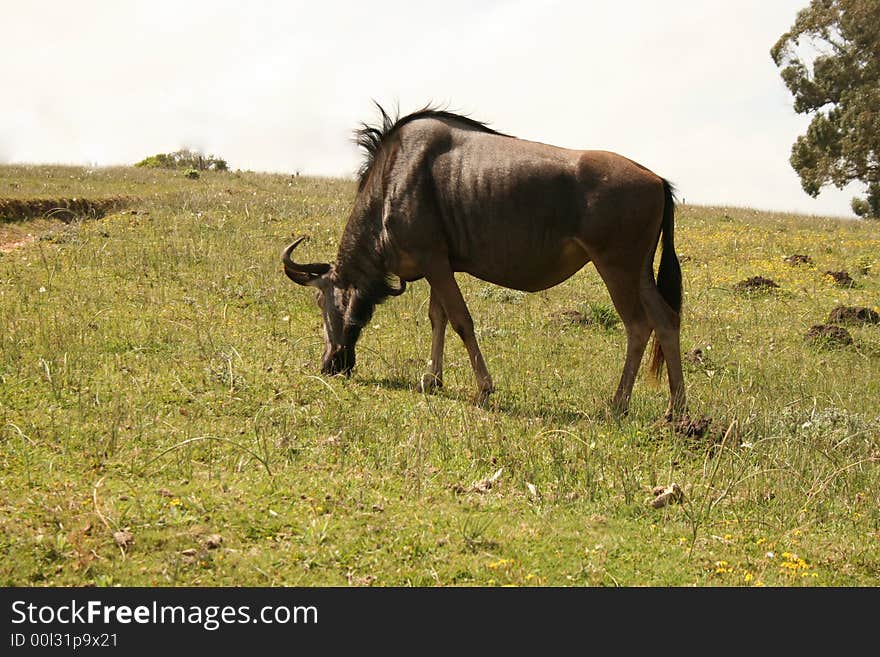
x=685 y=87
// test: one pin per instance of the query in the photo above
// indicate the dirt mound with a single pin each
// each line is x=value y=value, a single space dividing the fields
x=692 y=428
x=842 y=278
x=62 y=209
x=829 y=334
x=798 y=259
x=853 y=315
x=756 y=284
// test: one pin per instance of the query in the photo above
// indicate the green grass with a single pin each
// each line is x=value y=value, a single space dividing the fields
x=160 y=375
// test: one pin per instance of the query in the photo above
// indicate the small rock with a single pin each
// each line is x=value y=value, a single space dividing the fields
x=366 y=580
x=123 y=538
x=189 y=552
x=664 y=495
x=485 y=485
x=213 y=541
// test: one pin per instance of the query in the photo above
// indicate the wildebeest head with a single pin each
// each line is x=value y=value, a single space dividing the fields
x=335 y=303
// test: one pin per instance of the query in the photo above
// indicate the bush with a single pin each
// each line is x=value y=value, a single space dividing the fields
x=184 y=159
x=860 y=207
x=868 y=207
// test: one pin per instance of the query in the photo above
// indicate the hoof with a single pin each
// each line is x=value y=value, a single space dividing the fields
x=619 y=410
x=430 y=383
x=482 y=397
x=675 y=414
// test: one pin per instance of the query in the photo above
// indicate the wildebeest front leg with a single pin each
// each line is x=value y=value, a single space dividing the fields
x=434 y=378
x=446 y=290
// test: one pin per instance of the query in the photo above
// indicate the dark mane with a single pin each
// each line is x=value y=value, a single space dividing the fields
x=361 y=262
x=371 y=138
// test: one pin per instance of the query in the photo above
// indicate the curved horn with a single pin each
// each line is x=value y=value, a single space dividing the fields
x=302 y=274
x=398 y=291
x=285 y=255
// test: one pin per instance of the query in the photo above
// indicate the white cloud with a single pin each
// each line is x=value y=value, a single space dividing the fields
x=686 y=88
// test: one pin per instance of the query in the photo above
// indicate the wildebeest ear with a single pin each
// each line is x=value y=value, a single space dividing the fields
x=308 y=274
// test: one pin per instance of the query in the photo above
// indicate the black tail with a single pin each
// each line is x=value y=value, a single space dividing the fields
x=669 y=274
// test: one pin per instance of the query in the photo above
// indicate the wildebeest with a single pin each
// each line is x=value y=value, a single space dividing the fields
x=440 y=193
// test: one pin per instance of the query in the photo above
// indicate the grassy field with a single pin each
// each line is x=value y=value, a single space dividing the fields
x=163 y=420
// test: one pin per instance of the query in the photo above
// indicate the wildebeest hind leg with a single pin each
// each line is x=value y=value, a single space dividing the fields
x=434 y=378
x=442 y=281
x=666 y=328
x=623 y=285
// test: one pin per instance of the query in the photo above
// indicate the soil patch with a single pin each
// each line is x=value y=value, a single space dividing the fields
x=23 y=220
x=756 y=284
x=695 y=356
x=853 y=315
x=798 y=259
x=572 y=317
x=693 y=428
x=65 y=210
x=829 y=334
x=842 y=278
x=8 y=247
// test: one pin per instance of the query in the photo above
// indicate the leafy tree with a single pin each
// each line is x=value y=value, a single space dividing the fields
x=184 y=159
x=830 y=61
